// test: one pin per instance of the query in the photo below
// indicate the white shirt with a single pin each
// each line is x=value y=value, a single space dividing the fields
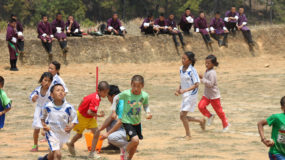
x=42 y=100
x=188 y=79
x=57 y=80
x=58 y=117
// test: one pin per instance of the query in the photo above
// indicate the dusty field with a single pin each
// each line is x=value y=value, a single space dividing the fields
x=250 y=92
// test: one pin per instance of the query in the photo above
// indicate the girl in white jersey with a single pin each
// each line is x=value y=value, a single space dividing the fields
x=189 y=90
x=54 y=68
x=40 y=96
x=58 y=119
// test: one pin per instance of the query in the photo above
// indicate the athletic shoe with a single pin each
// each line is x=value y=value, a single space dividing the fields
x=34 y=148
x=93 y=155
x=122 y=155
x=211 y=120
x=227 y=128
x=71 y=149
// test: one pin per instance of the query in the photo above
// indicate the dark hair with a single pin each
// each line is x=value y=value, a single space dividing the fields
x=213 y=60
x=201 y=12
x=58 y=14
x=114 y=90
x=218 y=12
x=149 y=16
x=2 y=80
x=187 y=9
x=12 y=20
x=46 y=74
x=282 y=101
x=241 y=7
x=191 y=57
x=103 y=85
x=161 y=14
x=138 y=78
x=115 y=13
x=44 y=15
x=57 y=65
x=53 y=87
x=13 y=15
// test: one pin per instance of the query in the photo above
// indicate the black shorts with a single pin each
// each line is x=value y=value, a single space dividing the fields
x=133 y=131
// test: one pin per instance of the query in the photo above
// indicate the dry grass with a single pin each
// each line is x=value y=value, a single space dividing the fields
x=250 y=92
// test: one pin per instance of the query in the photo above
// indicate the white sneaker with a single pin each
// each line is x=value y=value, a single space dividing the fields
x=211 y=120
x=122 y=153
x=94 y=155
x=227 y=128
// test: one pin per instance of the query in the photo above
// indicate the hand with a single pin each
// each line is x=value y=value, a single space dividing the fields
x=91 y=113
x=201 y=76
x=226 y=31
x=114 y=115
x=148 y=116
x=176 y=93
x=116 y=32
x=181 y=91
x=68 y=128
x=68 y=31
x=102 y=114
x=268 y=142
x=46 y=128
x=104 y=136
x=212 y=32
x=1 y=113
x=34 y=99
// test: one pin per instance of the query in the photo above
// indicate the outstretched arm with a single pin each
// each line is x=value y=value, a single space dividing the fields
x=261 y=125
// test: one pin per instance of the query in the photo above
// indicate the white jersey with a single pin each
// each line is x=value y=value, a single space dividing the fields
x=188 y=79
x=57 y=118
x=42 y=100
x=40 y=103
x=58 y=80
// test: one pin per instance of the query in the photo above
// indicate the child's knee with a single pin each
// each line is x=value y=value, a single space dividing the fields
x=135 y=140
x=57 y=155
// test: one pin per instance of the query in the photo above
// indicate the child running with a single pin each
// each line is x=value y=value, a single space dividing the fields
x=212 y=93
x=277 y=144
x=54 y=68
x=40 y=96
x=5 y=103
x=189 y=90
x=58 y=119
x=87 y=112
x=134 y=99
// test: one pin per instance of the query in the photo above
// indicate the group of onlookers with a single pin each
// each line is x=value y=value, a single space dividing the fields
x=217 y=28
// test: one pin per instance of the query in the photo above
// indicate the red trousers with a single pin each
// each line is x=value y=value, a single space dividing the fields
x=216 y=104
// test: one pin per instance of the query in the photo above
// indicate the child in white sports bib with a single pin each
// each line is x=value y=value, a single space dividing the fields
x=189 y=90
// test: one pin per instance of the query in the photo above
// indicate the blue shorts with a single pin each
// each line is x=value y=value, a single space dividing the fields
x=276 y=156
x=2 y=118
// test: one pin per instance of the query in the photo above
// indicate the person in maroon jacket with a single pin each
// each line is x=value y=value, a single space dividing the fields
x=173 y=30
x=45 y=34
x=73 y=27
x=12 y=38
x=20 y=40
x=186 y=21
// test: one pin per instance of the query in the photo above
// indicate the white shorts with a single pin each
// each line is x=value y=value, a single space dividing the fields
x=55 y=143
x=189 y=103
x=37 y=123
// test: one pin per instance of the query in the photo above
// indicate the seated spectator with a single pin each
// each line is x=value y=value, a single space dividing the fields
x=147 y=25
x=73 y=28
x=20 y=39
x=160 y=25
x=45 y=34
x=218 y=29
x=173 y=30
x=242 y=26
x=186 y=21
x=202 y=27
x=231 y=18
x=115 y=27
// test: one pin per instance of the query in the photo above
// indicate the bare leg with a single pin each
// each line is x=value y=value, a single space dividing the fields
x=106 y=123
x=185 y=121
x=56 y=155
x=50 y=155
x=96 y=133
x=75 y=138
x=132 y=146
x=201 y=121
x=36 y=136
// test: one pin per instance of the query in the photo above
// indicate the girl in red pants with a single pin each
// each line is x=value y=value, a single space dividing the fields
x=212 y=93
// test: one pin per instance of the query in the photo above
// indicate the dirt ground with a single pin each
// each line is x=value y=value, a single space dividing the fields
x=250 y=92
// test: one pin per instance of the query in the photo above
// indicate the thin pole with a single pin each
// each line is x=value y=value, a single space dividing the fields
x=97 y=76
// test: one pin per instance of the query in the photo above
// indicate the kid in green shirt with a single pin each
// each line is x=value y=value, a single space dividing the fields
x=5 y=103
